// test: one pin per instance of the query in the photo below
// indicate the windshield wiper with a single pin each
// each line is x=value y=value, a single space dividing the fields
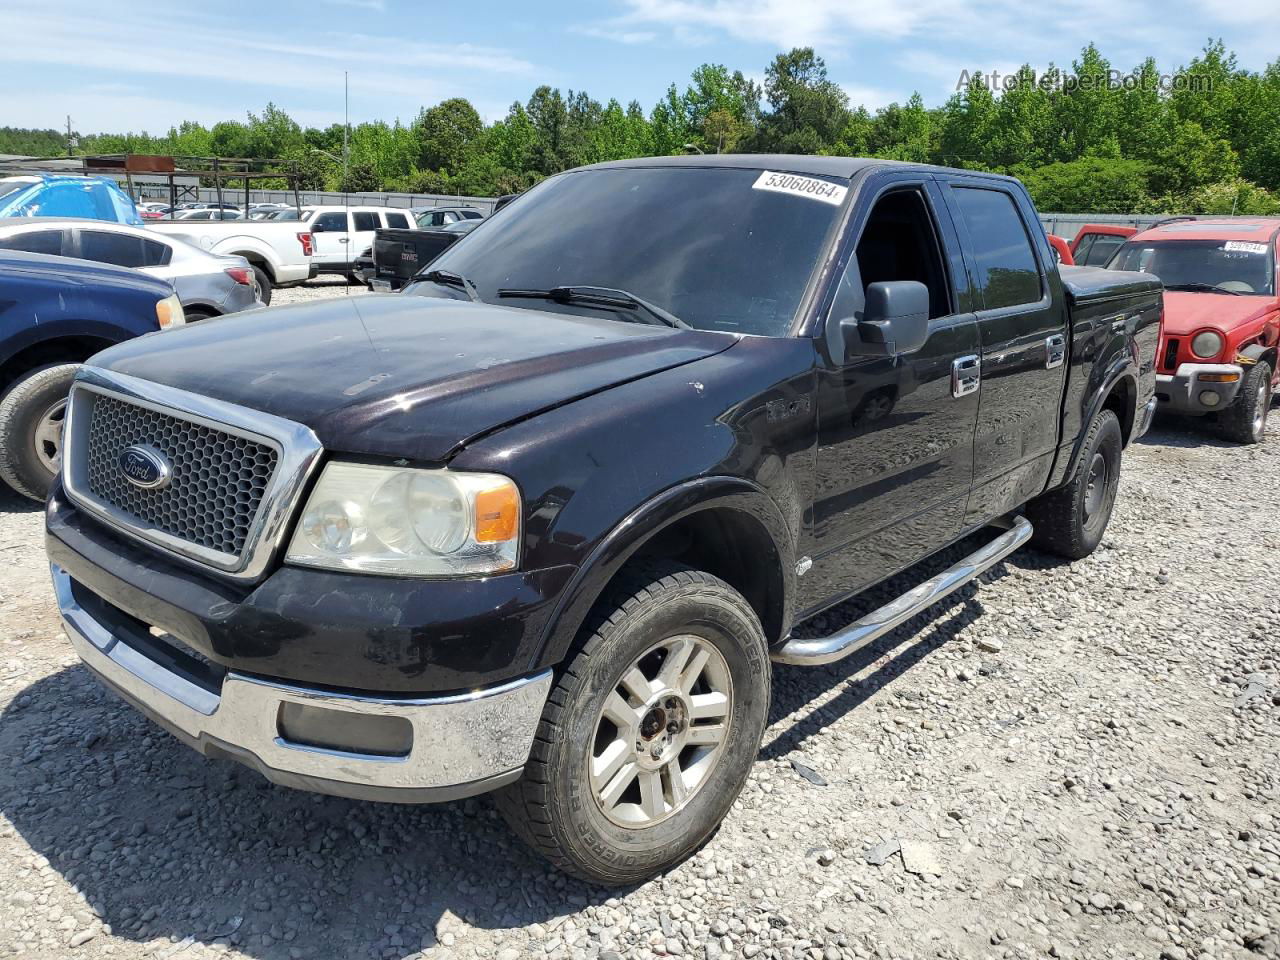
x=610 y=297
x=448 y=278
x=1201 y=287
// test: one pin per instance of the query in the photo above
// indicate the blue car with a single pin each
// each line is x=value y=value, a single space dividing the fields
x=55 y=313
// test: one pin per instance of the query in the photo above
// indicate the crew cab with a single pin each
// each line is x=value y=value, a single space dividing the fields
x=280 y=252
x=1218 y=345
x=540 y=523
x=341 y=233
x=54 y=313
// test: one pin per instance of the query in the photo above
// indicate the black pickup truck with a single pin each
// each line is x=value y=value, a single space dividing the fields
x=540 y=523
x=397 y=255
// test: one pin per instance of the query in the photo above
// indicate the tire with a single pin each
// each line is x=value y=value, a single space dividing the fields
x=1245 y=421
x=653 y=615
x=25 y=422
x=264 y=285
x=1071 y=520
x=195 y=316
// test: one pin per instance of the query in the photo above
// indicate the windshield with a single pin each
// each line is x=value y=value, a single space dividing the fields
x=716 y=247
x=1231 y=266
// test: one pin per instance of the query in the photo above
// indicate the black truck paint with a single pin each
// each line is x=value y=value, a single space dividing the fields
x=796 y=471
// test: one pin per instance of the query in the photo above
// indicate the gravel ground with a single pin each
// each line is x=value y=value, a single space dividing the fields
x=1072 y=761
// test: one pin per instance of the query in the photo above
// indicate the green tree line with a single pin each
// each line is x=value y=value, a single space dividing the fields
x=1084 y=139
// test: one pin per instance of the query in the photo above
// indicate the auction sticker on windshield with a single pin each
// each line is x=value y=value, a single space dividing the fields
x=810 y=187
x=1243 y=246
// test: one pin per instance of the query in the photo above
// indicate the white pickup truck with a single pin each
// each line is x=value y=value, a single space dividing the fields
x=280 y=251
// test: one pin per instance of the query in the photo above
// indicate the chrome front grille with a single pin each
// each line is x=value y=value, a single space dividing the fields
x=232 y=476
x=217 y=481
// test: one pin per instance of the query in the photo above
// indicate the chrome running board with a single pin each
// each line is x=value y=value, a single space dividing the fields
x=819 y=650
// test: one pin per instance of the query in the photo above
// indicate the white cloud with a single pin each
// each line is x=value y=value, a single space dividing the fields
x=629 y=37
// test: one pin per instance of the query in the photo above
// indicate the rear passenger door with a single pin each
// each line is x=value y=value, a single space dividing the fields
x=363 y=224
x=1022 y=326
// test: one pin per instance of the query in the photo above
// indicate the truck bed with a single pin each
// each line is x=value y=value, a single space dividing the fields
x=399 y=254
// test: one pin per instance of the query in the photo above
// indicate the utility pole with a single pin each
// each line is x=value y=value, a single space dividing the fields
x=346 y=121
x=70 y=141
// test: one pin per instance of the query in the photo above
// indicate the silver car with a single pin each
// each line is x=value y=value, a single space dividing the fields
x=208 y=285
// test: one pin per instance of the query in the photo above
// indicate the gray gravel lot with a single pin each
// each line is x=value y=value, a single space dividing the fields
x=1065 y=761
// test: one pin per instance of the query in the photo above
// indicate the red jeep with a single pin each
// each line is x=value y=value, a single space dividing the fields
x=1221 y=329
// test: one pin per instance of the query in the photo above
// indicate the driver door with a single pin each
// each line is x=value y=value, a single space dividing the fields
x=894 y=461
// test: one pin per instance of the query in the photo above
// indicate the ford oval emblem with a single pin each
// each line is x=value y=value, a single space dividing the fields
x=145 y=467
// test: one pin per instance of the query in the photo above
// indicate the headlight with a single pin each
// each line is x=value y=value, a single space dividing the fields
x=169 y=312
x=411 y=522
x=1206 y=345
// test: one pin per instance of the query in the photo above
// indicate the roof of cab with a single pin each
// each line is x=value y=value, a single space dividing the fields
x=844 y=167
x=1257 y=229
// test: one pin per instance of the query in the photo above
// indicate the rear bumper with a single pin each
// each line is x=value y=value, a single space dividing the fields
x=1189 y=392
x=415 y=750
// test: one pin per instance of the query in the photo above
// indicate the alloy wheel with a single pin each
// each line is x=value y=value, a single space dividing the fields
x=660 y=732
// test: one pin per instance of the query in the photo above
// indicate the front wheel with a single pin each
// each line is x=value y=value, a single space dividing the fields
x=31 y=416
x=1245 y=421
x=1071 y=520
x=650 y=732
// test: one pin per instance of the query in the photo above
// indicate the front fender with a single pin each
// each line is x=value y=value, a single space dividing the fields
x=647 y=521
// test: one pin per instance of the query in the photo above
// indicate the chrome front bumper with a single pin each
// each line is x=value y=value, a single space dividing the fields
x=460 y=745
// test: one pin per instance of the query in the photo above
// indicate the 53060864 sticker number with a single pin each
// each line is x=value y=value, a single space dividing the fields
x=809 y=187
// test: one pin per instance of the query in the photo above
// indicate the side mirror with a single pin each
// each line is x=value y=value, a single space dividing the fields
x=317 y=228
x=894 y=320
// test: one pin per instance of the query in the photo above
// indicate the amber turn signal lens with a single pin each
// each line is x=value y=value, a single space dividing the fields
x=497 y=514
x=1218 y=377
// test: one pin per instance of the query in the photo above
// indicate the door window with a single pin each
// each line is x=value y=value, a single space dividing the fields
x=122 y=249
x=332 y=222
x=898 y=243
x=366 y=221
x=1007 y=271
x=35 y=241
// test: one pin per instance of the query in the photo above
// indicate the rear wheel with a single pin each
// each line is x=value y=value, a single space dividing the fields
x=1245 y=421
x=1071 y=520
x=31 y=417
x=650 y=731
x=264 y=285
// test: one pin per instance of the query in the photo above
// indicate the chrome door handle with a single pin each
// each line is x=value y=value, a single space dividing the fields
x=1055 y=351
x=966 y=374
x=344 y=240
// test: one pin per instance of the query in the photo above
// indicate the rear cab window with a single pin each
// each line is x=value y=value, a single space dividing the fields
x=397 y=221
x=1008 y=274
x=365 y=221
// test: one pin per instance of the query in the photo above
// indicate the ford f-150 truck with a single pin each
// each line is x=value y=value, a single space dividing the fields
x=540 y=523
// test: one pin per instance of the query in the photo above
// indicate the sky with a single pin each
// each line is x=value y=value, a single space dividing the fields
x=147 y=66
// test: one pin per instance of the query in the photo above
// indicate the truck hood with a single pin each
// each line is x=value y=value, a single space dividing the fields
x=405 y=376
x=1186 y=312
